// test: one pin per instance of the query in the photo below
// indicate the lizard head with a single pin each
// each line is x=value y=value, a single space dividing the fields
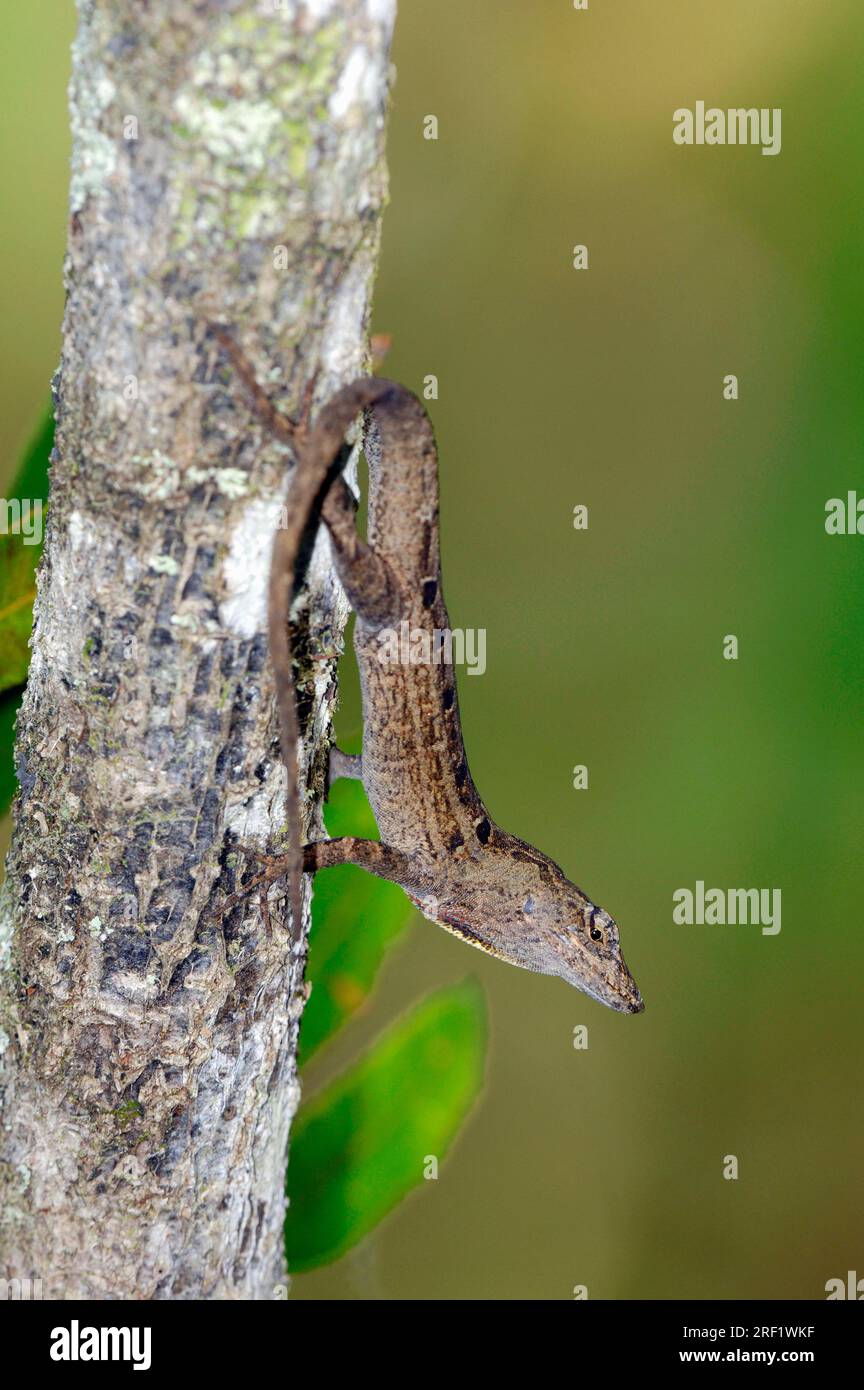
x=590 y=957
x=530 y=915
x=560 y=931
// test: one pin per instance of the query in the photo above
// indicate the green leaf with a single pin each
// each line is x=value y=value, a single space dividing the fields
x=18 y=562
x=356 y=918
x=360 y=1145
x=31 y=480
x=8 y=782
x=17 y=592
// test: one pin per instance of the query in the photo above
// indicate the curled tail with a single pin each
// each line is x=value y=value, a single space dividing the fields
x=316 y=453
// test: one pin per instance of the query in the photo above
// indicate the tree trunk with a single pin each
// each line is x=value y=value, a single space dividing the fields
x=227 y=164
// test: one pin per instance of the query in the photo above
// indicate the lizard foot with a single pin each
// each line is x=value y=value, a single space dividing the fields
x=275 y=866
x=345 y=765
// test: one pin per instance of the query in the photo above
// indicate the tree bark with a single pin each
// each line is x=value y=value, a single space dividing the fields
x=227 y=164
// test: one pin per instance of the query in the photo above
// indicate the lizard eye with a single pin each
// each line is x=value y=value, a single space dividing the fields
x=596 y=934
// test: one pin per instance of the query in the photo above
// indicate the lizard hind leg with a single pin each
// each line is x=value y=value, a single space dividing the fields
x=367 y=578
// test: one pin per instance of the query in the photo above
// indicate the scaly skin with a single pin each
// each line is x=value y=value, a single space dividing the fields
x=438 y=841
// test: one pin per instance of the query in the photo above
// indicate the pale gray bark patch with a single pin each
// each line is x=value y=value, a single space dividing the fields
x=227 y=163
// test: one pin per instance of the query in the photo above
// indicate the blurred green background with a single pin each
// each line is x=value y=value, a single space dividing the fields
x=604 y=387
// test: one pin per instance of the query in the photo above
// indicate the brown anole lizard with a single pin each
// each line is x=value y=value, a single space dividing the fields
x=438 y=841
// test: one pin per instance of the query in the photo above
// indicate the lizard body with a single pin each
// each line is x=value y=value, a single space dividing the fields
x=438 y=841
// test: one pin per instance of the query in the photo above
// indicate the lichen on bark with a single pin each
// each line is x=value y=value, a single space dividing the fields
x=228 y=164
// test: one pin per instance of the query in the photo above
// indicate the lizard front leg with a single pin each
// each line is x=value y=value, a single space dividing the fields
x=382 y=860
x=376 y=858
